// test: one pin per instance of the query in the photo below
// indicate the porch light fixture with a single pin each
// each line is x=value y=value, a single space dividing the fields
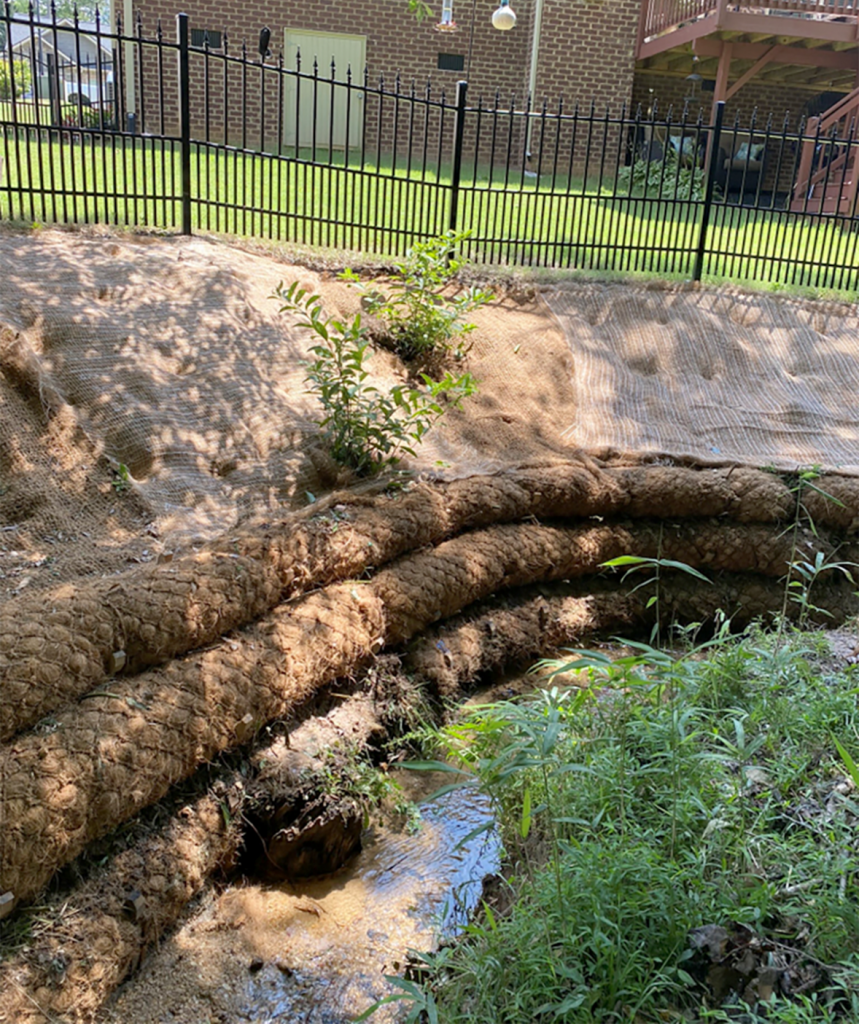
x=504 y=18
x=694 y=81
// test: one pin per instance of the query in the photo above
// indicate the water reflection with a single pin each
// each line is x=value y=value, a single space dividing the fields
x=317 y=953
x=339 y=936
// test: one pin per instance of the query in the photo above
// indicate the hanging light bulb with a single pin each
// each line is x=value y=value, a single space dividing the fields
x=504 y=18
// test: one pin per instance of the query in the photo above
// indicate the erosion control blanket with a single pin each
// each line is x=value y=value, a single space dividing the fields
x=716 y=375
x=168 y=359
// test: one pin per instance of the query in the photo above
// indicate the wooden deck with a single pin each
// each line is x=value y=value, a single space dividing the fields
x=667 y=24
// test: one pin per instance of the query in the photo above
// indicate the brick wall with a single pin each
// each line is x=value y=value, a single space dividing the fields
x=586 y=53
x=765 y=98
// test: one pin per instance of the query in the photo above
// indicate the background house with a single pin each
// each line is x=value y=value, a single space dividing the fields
x=786 y=55
x=585 y=49
x=792 y=58
x=80 y=61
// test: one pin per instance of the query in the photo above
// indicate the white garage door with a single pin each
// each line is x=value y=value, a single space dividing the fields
x=299 y=98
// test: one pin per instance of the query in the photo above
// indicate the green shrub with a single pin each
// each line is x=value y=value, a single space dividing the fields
x=419 y=317
x=640 y=810
x=83 y=117
x=23 y=79
x=365 y=428
x=661 y=179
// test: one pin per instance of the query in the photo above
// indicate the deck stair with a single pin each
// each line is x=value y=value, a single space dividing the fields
x=829 y=184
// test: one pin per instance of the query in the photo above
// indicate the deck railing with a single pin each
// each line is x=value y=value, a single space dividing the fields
x=827 y=165
x=663 y=15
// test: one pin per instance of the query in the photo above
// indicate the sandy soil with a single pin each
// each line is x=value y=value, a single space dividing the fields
x=317 y=952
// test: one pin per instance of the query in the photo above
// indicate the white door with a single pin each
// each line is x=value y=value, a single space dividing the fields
x=346 y=51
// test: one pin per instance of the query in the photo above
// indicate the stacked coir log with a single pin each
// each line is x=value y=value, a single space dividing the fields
x=148 y=675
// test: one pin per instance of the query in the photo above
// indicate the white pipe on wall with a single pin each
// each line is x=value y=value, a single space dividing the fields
x=128 y=30
x=535 y=54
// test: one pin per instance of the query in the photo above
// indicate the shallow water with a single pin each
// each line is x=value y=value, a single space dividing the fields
x=317 y=952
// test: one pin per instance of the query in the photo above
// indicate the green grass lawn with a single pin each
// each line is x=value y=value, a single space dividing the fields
x=346 y=204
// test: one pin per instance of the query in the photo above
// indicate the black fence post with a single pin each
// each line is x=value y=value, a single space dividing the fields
x=184 y=119
x=710 y=173
x=458 y=136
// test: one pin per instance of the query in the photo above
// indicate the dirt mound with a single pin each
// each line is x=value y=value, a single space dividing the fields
x=167 y=360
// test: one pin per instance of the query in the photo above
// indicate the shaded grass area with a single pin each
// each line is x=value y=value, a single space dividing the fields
x=376 y=207
x=681 y=839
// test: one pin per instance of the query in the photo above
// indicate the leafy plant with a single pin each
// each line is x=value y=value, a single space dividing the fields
x=419 y=316
x=343 y=774
x=633 y=563
x=420 y=10
x=85 y=117
x=366 y=428
x=803 y=574
x=647 y=805
x=122 y=478
x=662 y=179
x=419 y=1000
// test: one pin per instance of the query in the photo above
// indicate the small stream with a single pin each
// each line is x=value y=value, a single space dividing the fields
x=317 y=952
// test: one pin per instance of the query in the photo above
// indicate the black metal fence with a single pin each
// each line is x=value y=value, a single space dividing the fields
x=130 y=128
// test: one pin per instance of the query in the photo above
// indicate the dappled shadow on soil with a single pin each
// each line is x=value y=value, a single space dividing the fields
x=151 y=395
x=718 y=375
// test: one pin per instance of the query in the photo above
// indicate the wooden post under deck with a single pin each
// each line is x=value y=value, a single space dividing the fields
x=720 y=93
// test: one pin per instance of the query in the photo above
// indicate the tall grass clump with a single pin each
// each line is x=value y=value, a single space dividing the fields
x=681 y=840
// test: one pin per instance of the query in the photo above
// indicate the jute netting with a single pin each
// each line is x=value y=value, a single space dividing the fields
x=92 y=934
x=55 y=646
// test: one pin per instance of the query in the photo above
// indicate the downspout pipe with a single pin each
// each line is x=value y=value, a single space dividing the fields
x=535 y=55
x=130 y=90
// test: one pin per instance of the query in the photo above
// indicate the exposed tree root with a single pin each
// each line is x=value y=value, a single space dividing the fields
x=125 y=745
x=57 y=645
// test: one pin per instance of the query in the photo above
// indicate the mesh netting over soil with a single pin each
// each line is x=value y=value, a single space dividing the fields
x=168 y=356
x=56 y=645
x=152 y=622
x=716 y=374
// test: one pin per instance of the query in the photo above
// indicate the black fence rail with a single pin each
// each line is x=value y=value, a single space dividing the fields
x=103 y=124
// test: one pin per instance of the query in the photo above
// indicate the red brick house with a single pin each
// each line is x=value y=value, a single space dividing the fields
x=773 y=54
x=776 y=56
x=586 y=47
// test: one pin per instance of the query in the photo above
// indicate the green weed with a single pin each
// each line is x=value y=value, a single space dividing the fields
x=671 y=794
x=365 y=428
x=419 y=316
